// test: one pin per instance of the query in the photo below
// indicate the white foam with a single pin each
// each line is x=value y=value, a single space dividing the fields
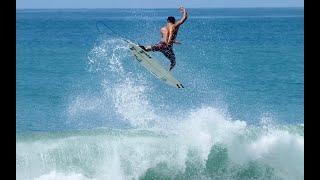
x=53 y=175
x=268 y=144
x=281 y=150
x=206 y=126
x=129 y=156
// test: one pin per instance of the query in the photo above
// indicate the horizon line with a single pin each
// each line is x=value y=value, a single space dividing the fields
x=244 y=7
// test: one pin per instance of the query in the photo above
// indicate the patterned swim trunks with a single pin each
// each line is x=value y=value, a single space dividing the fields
x=167 y=50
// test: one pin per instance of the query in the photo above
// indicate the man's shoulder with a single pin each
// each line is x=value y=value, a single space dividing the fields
x=177 y=25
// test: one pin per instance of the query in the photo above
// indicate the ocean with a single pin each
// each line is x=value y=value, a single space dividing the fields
x=86 y=109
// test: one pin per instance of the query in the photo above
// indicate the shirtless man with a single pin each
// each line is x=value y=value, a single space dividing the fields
x=168 y=37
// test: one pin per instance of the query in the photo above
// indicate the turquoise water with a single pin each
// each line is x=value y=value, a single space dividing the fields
x=87 y=110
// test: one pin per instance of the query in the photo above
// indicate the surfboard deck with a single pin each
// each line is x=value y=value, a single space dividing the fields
x=153 y=66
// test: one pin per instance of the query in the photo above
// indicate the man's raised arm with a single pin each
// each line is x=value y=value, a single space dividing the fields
x=184 y=17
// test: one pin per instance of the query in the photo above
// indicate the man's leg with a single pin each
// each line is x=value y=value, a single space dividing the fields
x=157 y=47
x=170 y=55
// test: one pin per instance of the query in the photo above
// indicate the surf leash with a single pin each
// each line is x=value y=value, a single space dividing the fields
x=112 y=31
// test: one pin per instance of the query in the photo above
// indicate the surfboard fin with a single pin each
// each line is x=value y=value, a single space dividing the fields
x=179 y=86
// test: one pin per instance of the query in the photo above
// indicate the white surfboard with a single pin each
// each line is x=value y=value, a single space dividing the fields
x=153 y=66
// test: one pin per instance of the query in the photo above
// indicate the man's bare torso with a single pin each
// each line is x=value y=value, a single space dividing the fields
x=165 y=33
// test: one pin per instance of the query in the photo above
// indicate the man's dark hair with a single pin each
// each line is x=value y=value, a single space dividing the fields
x=171 y=19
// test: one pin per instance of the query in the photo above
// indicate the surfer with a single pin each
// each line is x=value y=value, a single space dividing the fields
x=168 y=37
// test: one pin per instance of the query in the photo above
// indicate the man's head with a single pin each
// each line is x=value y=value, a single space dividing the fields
x=171 y=19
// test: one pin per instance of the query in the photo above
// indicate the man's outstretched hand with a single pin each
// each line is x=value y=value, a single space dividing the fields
x=182 y=9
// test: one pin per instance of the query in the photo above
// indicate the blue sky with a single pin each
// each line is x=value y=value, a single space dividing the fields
x=26 y=4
